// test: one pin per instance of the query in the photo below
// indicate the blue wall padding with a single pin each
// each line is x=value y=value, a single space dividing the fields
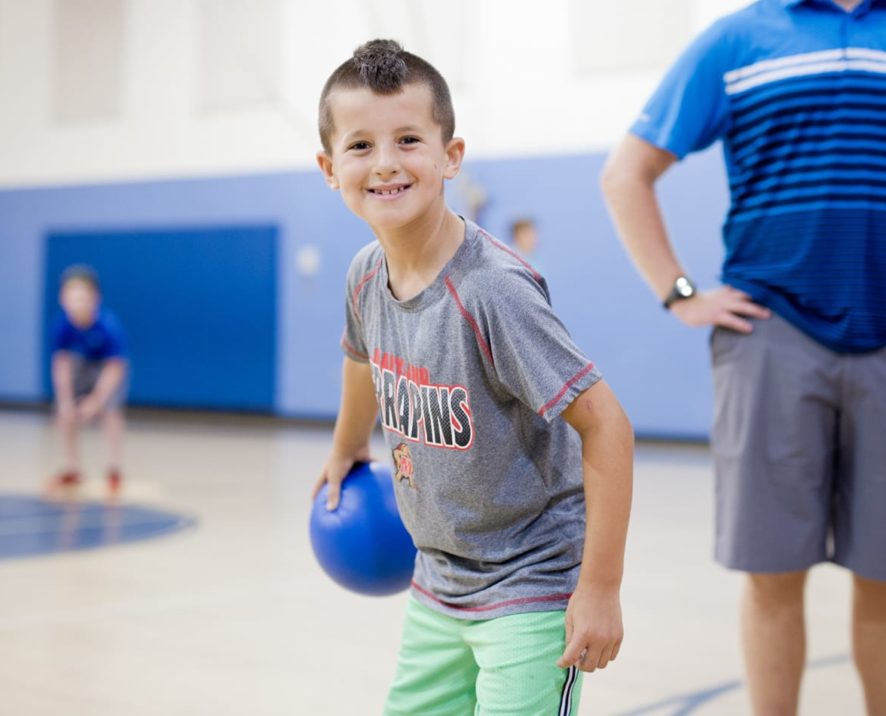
x=199 y=309
x=658 y=367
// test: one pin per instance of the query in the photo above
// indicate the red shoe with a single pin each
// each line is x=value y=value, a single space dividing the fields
x=66 y=480
x=115 y=481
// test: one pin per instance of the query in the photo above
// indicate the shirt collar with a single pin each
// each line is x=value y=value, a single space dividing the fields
x=794 y=3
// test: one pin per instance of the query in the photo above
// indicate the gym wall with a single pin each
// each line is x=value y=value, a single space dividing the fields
x=135 y=120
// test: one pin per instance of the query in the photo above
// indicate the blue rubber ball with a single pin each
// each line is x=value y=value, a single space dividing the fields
x=363 y=544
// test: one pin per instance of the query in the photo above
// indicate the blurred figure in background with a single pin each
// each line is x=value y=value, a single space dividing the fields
x=89 y=373
x=524 y=237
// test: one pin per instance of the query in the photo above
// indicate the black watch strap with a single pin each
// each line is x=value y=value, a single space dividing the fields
x=682 y=289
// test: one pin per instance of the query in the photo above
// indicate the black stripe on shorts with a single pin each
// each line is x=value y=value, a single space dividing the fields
x=566 y=695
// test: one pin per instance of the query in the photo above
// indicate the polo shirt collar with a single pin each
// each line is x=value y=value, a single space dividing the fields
x=863 y=3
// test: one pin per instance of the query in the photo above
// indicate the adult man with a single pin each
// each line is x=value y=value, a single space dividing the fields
x=797 y=92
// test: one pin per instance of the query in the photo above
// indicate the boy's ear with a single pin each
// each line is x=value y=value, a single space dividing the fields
x=455 y=153
x=325 y=163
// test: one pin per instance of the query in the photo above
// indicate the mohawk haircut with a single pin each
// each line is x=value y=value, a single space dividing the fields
x=386 y=68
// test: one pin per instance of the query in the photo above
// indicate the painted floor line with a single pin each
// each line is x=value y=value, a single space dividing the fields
x=685 y=704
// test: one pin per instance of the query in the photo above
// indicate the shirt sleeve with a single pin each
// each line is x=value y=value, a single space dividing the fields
x=534 y=356
x=689 y=109
x=352 y=343
x=115 y=346
x=360 y=274
x=61 y=336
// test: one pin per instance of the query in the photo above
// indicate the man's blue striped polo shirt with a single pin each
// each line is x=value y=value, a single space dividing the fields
x=797 y=92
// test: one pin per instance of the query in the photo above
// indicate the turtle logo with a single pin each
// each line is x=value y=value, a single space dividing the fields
x=403 y=462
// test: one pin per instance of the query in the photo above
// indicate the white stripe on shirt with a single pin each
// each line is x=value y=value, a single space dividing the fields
x=821 y=68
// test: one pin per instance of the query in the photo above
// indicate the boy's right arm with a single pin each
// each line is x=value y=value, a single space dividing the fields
x=353 y=428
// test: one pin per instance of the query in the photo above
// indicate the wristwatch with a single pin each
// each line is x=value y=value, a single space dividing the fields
x=682 y=289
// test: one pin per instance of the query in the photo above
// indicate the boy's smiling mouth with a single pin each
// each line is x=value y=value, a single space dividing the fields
x=390 y=191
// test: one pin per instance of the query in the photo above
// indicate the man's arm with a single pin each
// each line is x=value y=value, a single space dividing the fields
x=356 y=419
x=593 y=618
x=628 y=183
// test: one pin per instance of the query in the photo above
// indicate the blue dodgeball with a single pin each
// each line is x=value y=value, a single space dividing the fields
x=363 y=545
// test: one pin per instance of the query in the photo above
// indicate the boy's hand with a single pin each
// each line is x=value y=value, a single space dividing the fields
x=334 y=473
x=88 y=408
x=593 y=629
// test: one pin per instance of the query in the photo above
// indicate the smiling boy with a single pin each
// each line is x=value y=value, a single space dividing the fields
x=506 y=440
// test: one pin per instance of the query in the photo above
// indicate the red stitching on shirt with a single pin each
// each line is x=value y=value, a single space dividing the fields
x=470 y=319
x=569 y=383
x=497 y=605
x=355 y=297
x=353 y=351
x=495 y=242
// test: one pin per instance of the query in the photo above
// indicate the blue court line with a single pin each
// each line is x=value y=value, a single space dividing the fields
x=685 y=704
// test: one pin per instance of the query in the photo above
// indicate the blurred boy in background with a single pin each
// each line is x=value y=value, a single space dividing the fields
x=524 y=237
x=89 y=373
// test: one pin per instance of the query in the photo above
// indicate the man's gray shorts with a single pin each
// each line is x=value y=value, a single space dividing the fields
x=799 y=444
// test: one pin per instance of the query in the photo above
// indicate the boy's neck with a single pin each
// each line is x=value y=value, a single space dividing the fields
x=416 y=254
x=84 y=323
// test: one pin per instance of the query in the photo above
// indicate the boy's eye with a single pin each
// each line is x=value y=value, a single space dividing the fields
x=410 y=140
x=358 y=146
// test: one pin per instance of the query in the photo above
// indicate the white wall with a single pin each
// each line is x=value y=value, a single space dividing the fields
x=522 y=74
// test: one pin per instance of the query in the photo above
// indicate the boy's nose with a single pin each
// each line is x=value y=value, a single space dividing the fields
x=386 y=165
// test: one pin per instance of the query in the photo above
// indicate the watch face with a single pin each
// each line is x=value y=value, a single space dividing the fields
x=684 y=287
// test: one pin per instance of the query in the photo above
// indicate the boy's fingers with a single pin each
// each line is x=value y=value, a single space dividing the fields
x=571 y=654
x=591 y=659
x=332 y=497
x=318 y=486
x=568 y=629
x=605 y=656
x=562 y=662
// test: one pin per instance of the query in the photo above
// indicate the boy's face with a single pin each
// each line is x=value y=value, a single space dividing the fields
x=79 y=300
x=387 y=155
x=526 y=238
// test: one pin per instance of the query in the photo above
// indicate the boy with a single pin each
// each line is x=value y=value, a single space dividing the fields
x=450 y=338
x=524 y=237
x=89 y=373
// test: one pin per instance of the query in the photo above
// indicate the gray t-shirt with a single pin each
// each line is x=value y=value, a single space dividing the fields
x=471 y=376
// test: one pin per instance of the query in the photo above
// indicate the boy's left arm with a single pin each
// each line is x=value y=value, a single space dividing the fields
x=593 y=617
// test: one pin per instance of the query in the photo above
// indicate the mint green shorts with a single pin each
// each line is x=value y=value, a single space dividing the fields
x=494 y=667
